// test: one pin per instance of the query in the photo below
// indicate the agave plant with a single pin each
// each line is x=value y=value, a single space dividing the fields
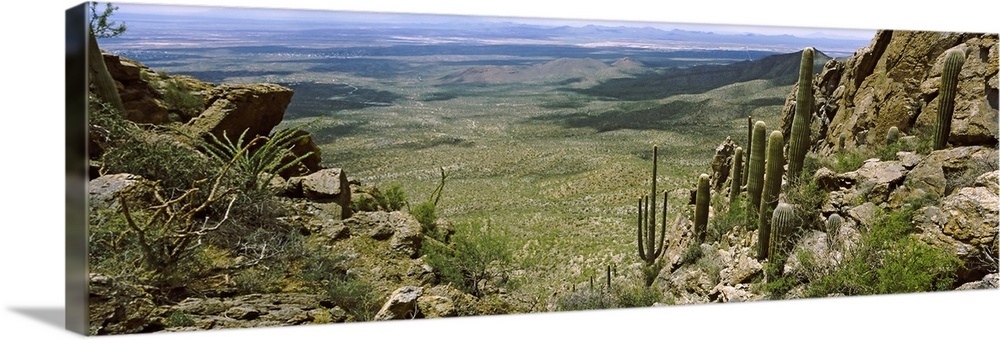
x=267 y=154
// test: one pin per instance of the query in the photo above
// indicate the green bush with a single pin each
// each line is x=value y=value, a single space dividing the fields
x=392 y=198
x=180 y=319
x=181 y=101
x=476 y=253
x=426 y=214
x=331 y=273
x=605 y=298
x=692 y=254
x=889 y=259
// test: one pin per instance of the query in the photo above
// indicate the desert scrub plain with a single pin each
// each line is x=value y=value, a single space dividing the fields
x=543 y=164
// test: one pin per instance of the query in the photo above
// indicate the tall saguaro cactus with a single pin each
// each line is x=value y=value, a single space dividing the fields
x=946 y=104
x=772 y=188
x=782 y=228
x=737 y=176
x=746 y=164
x=755 y=169
x=649 y=251
x=798 y=142
x=701 y=208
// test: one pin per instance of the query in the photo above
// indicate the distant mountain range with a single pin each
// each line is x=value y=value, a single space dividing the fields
x=469 y=30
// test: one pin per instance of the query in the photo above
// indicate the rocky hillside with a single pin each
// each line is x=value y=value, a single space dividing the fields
x=187 y=236
x=881 y=214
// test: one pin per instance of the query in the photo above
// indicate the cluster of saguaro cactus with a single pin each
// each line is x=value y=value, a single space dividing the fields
x=946 y=105
x=755 y=170
x=783 y=222
x=737 y=176
x=772 y=187
x=798 y=142
x=892 y=136
x=648 y=250
x=701 y=208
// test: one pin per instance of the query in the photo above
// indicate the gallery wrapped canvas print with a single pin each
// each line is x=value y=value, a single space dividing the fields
x=244 y=167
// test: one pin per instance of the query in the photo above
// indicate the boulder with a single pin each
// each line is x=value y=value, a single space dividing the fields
x=401 y=229
x=990 y=281
x=327 y=185
x=942 y=171
x=435 y=306
x=103 y=192
x=233 y=108
x=402 y=304
x=118 y=307
x=879 y=179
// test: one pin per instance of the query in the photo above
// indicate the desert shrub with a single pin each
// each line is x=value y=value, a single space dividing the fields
x=180 y=100
x=333 y=275
x=737 y=214
x=476 y=253
x=888 y=152
x=888 y=259
x=426 y=214
x=849 y=160
x=617 y=296
x=180 y=319
x=692 y=254
x=807 y=198
x=777 y=284
x=392 y=198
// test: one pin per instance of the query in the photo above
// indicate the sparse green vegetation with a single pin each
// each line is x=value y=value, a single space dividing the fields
x=888 y=259
x=478 y=255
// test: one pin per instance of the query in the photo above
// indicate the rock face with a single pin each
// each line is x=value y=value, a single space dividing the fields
x=142 y=102
x=103 y=191
x=253 y=310
x=894 y=82
x=401 y=229
x=117 y=308
x=722 y=162
x=233 y=108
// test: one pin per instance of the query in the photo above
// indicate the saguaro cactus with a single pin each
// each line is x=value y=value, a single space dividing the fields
x=892 y=136
x=772 y=187
x=737 y=176
x=647 y=222
x=946 y=104
x=755 y=171
x=746 y=164
x=701 y=208
x=798 y=142
x=783 y=224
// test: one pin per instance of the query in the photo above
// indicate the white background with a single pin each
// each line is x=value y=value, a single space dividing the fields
x=32 y=250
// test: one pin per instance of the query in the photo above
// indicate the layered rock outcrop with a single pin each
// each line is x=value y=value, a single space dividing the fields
x=894 y=82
